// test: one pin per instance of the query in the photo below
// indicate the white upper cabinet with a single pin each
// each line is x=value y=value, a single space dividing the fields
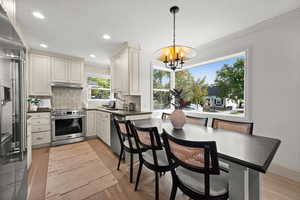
x=126 y=71
x=39 y=75
x=76 y=72
x=66 y=70
x=59 y=69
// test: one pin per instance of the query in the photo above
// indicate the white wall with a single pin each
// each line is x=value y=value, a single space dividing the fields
x=273 y=80
x=273 y=83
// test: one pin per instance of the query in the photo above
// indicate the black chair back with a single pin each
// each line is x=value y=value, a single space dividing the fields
x=241 y=127
x=124 y=131
x=197 y=120
x=196 y=156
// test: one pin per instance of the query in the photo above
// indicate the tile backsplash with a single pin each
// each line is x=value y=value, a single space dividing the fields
x=67 y=98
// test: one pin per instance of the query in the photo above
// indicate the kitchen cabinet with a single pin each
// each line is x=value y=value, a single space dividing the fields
x=29 y=143
x=126 y=70
x=40 y=129
x=103 y=126
x=59 y=69
x=91 y=124
x=39 y=75
x=66 y=70
x=76 y=72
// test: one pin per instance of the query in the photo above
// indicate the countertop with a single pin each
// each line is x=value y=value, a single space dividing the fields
x=120 y=112
x=40 y=110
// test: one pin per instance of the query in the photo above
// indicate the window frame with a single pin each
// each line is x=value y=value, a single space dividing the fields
x=214 y=58
x=172 y=85
x=90 y=87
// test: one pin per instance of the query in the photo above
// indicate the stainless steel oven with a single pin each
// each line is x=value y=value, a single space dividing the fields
x=68 y=126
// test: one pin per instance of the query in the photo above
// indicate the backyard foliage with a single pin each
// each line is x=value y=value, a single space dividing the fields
x=230 y=81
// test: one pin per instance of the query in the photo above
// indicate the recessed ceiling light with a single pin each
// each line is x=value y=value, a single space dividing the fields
x=38 y=15
x=106 y=36
x=92 y=56
x=44 y=45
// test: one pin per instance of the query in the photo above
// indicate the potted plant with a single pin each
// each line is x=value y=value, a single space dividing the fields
x=178 y=118
x=33 y=103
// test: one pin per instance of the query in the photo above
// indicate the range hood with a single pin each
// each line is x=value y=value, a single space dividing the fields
x=66 y=85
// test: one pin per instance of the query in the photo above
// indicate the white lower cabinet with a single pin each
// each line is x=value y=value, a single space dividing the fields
x=91 y=124
x=103 y=126
x=29 y=144
x=40 y=129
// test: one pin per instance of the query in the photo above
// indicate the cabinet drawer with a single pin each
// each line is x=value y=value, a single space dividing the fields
x=40 y=121
x=40 y=115
x=41 y=138
x=40 y=128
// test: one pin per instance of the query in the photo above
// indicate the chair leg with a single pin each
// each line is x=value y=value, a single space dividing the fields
x=138 y=176
x=156 y=186
x=173 y=192
x=120 y=158
x=131 y=167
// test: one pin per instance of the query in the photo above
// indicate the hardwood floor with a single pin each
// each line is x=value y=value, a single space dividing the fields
x=274 y=187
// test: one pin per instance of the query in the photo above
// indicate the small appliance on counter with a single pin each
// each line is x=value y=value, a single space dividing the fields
x=111 y=105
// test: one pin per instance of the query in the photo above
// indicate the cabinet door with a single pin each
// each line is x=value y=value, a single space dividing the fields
x=134 y=72
x=91 y=123
x=39 y=75
x=122 y=72
x=106 y=129
x=59 y=69
x=98 y=124
x=76 y=72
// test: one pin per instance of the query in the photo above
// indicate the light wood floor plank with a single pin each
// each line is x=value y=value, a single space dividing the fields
x=115 y=185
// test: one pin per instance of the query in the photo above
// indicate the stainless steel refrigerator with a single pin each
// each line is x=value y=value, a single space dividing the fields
x=13 y=170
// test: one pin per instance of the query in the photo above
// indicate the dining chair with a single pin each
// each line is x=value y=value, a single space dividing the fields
x=197 y=120
x=127 y=142
x=195 y=169
x=165 y=115
x=154 y=158
x=241 y=127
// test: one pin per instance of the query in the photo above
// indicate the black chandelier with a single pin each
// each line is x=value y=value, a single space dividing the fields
x=174 y=56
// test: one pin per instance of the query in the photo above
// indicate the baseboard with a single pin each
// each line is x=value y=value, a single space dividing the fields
x=286 y=172
x=90 y=137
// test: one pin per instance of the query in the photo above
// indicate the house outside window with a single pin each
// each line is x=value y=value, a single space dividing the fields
x=99 y=87
x=161 y=88
x=215 y=87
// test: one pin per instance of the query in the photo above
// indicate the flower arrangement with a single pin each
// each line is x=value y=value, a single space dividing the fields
x=178 y=96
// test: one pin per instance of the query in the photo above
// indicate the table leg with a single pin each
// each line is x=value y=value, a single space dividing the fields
x=238 y=182
x=254 y=185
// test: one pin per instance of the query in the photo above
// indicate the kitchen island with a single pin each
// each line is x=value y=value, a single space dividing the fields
x=100 y=124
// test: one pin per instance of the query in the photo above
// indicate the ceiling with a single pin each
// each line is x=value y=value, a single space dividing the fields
x=76 y=27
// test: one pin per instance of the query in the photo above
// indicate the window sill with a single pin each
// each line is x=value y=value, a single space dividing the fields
x=206 y=114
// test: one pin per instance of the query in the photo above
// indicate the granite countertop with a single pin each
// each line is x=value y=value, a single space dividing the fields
x=120 y=111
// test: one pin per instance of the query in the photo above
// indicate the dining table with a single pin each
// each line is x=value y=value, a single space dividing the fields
x=247 y=156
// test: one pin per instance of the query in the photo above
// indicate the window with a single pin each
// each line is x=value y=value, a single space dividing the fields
x=161 y=88
x=215 y=87
x=99 y=87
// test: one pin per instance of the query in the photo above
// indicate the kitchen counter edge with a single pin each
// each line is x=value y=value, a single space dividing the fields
x=119 y=112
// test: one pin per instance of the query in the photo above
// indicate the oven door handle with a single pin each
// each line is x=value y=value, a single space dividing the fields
x=68 y=117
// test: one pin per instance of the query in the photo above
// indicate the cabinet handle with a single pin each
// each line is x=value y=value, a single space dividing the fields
x=39 y=138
